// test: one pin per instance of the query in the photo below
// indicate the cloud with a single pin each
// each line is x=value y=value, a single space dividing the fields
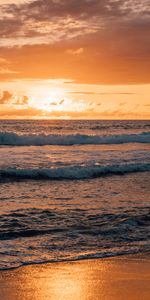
x=88 y=114
x=49 y=21
x=108 y=40
x=53 y=103
x=75 y=51
x=107 y=114
x=24 y=100
x=61 y=102
x=6 y=96
x=6 y=2
x=98 y=93
x=9 y=98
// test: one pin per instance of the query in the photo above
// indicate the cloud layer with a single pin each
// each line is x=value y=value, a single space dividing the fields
x=48 y=21
x=92 y=41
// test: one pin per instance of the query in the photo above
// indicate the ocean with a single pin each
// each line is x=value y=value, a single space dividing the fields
x=73 y=190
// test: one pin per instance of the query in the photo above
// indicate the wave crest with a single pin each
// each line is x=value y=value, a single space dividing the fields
x=13 y=139
x=72 y=173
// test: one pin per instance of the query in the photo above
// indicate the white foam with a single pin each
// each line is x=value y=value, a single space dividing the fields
x=72 y=173
x=14 y=139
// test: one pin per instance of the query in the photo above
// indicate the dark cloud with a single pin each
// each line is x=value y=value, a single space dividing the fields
x=26 y=17
x=9 y=27
x=44 y=9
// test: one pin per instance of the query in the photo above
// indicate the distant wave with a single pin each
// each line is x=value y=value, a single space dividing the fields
x=72 y=172
x=13 y=139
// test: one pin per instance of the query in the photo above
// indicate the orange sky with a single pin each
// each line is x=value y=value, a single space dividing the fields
x=75 y=59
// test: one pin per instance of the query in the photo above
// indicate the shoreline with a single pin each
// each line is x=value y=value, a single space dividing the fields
x=114 y=278
x=134 y=255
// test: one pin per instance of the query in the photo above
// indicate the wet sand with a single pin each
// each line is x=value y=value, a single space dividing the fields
x=120 y=278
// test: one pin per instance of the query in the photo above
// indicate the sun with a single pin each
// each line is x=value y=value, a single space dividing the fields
x=47 y=99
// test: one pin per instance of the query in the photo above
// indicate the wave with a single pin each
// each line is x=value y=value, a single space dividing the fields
x=72 y=172
x=88 y=235
x=41 y=261
x=13 y=139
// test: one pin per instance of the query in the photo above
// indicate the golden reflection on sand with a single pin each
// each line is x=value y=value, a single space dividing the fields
x=63 y=285
x=72 y=281
x=109 y=279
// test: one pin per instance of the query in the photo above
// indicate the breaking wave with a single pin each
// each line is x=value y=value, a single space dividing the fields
x=72 y=172
x=88 y=235
x=13 y=139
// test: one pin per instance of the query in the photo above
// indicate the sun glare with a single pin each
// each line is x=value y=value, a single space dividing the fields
x=47 y=99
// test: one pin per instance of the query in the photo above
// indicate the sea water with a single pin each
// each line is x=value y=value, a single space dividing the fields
x=73 y=190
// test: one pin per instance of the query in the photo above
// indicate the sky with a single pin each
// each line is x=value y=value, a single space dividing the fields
x=81 y=59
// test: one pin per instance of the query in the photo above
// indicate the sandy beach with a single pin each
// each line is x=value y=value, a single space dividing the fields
x=119 y=278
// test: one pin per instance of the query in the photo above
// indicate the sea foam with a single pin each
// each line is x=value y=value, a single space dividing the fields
x=13 y=139
x=72 y=172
